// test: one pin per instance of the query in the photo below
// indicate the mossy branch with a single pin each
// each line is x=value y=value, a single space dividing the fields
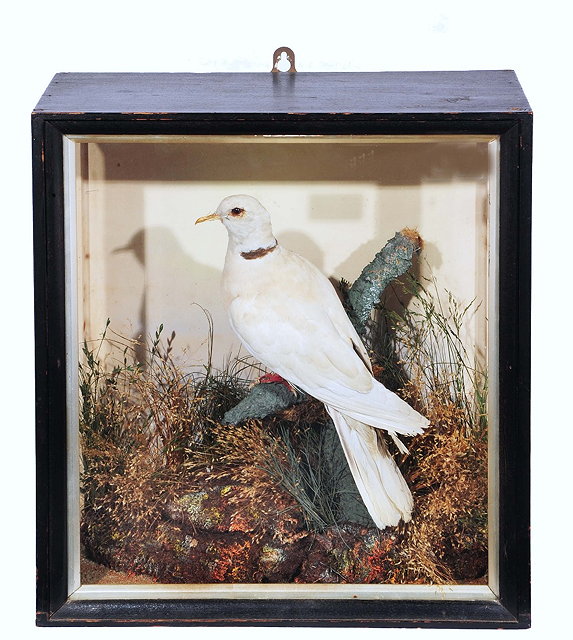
x=264 y=399
x=392 y=261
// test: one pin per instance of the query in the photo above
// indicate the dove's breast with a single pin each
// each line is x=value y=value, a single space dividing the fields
x=288 y=315
x=280 y=275
x=259 y=296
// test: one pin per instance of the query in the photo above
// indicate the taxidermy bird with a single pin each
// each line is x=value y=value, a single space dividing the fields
x=288 y=315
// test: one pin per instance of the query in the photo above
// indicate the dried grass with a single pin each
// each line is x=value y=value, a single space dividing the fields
x=238 y=456
x=139 y=423
x=425 y=359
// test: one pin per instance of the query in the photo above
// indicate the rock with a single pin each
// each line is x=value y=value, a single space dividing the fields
x=349 y=554
x=263 y=400
x=223 y=533
x=232 y=507
x=191 y=545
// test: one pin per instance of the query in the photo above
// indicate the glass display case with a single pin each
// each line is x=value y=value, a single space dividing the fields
x=155 y=505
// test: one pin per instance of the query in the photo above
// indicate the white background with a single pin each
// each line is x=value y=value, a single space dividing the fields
x=42 y=38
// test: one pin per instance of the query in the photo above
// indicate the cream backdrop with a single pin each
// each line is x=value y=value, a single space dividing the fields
x=146 y=264
x=42 y=38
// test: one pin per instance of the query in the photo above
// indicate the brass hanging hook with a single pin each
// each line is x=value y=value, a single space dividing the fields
x=277 y=58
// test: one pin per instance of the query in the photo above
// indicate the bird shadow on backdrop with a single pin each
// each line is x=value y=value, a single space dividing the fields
x=174 y=291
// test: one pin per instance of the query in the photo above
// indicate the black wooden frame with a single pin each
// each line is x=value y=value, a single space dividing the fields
x=511 y=609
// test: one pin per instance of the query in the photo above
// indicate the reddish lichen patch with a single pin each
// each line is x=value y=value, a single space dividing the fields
x=230 y=562
x=413 y=236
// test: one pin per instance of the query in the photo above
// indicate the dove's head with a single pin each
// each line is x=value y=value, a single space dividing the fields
x=247 y=221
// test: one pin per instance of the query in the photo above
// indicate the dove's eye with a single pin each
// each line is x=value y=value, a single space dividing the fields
x=237 y=211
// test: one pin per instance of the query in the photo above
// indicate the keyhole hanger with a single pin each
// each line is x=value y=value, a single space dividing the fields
x=279 y=57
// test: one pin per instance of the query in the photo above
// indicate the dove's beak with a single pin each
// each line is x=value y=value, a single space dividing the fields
x=213 y=216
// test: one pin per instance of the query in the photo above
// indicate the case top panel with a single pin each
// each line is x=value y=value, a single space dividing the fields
x=235 y=93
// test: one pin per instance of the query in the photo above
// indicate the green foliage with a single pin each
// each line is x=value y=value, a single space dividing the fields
x=419 y=341
x=311 y=467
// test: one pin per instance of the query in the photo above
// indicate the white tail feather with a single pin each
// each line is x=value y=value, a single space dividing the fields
x=378 y=479
x=402 y=448
x=379 y=408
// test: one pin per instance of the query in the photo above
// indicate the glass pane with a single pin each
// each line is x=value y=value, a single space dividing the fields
x=169 y=494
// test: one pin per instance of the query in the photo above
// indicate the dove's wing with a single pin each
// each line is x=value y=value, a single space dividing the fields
x=290 y=318
x=297 y=327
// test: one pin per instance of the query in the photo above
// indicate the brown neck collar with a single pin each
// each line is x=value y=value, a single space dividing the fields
x=259 y=253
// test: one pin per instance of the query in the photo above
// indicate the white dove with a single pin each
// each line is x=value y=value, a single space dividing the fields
x=288 y=316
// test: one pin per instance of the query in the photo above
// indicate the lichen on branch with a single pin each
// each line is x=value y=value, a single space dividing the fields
x=392 y=261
